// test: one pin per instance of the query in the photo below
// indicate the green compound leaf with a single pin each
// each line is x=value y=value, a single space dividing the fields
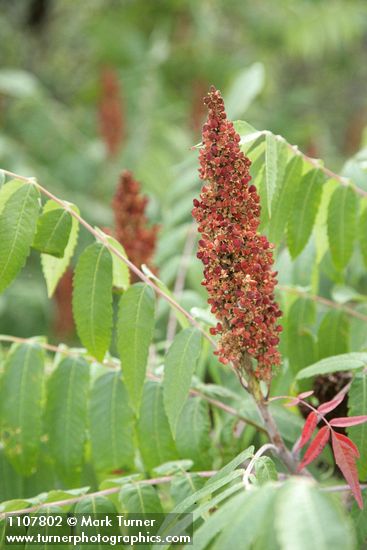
x=305 y=207
x=111 y=424
x=54 y=268
x=66 y=415
x=92 y=299
x=193 y=433
x=357 y=406
x=283 y=199
x=135 y=331
x=275 y=161
x=21 y=406
x=53 y=232
x=341 y=225
x=121 y=273
x=136 y=498
x=17 y=227
x=179 y=367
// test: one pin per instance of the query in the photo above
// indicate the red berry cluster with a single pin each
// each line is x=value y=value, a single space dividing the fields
x=237 y=259
x=131 y=224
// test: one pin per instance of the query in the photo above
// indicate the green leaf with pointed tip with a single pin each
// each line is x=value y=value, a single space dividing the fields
x=265 y=470
x=17 y=227
x=155 y=439
x=111 y=424
x=179 y=366
x=362 y=226
x=21 y=406
x=308 y=518
x=54 y=268
x=284 y=197
x=135 y=331
x=341 y=224
x=53 y=232
x=7 y=191
x=305 y=207
x=66 y=415
x=136 y=498
x=343 y=362
x=357 y=406
x=92 y=299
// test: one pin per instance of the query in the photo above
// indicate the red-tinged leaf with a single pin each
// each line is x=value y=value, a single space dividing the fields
x=308 y=429
x=331 y=405
x=345 y=459
x=345 y=421
x=316 y=447
x=344 y=440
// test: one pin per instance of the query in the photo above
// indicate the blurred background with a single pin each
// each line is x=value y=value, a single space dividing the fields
x=88 y=88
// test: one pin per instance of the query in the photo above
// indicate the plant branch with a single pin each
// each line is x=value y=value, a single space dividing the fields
x=104 y=492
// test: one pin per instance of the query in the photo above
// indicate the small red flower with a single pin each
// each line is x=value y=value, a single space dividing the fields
x=237 y=259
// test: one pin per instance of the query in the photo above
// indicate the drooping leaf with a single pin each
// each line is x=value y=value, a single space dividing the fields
x=345 y=459
x=54 y=268
x=17 y=227
x=305 y=207
x=307 y=518
x=345 y=421
x=21 y=406
x=308 y=429
x=333 y=334
x=111 y=424
x=66 y=414
x=53 y=232
x=179 y=366
x=341 y=223
x=193 y=433
x=357 y=405
x=283 y=198
x=316 y=447
x=345 y=361
x=154 y=434
x=135 y=331
x=92 y=299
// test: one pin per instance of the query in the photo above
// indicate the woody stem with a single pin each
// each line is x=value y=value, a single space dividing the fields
x=254 y=388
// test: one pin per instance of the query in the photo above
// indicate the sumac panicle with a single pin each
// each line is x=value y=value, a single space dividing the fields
x=131 y=224
x=237 y=259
